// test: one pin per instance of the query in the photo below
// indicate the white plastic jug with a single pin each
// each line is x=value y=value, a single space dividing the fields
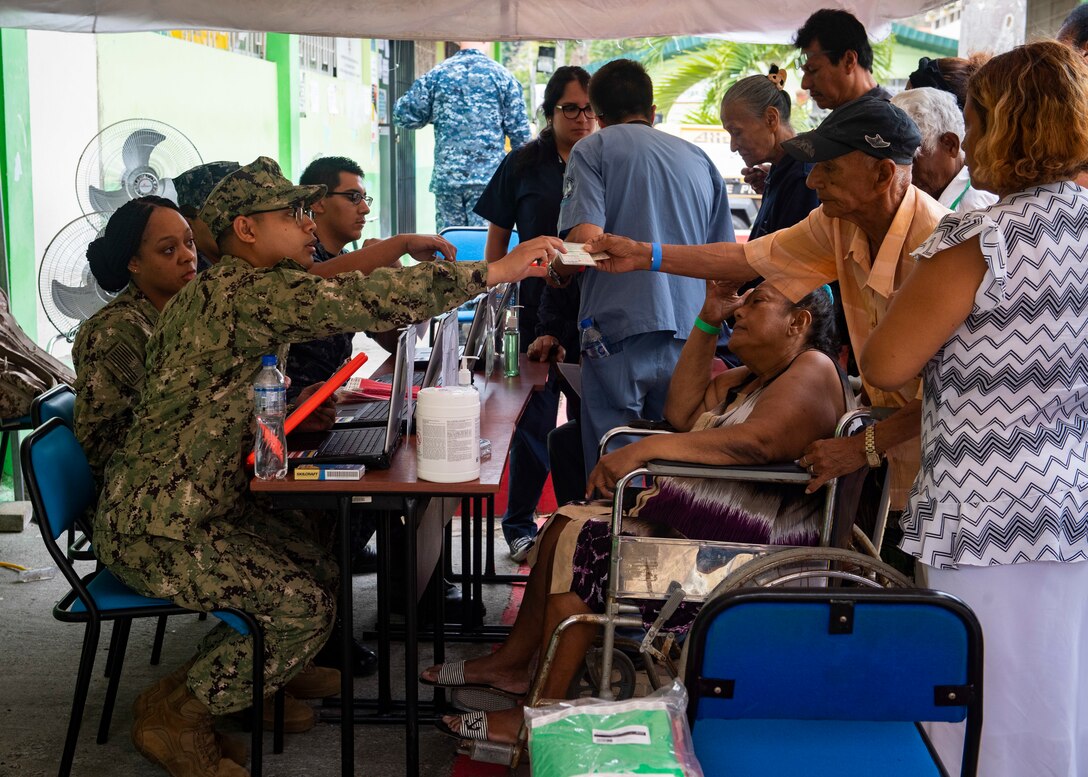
x=448 y=434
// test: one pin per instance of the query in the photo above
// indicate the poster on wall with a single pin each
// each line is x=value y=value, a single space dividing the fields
x=349 y=58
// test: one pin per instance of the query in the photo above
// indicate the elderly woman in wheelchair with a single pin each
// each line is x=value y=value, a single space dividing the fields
x=789 y=393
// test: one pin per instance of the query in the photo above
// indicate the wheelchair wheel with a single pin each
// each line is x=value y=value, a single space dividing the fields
x=624 y=676
x=814 y=566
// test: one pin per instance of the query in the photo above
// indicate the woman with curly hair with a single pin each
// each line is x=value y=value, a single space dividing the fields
x=995 y=316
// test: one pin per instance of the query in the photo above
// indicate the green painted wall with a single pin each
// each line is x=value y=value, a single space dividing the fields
x=17 y=189
x=154 y=76
x=282 y=51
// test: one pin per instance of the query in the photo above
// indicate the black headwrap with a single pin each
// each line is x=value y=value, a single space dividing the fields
x=929 y=74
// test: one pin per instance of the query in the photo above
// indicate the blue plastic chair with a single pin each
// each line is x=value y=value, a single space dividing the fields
x=57 y=402
x=470 y=243
x=61 y=490
x=832 y=681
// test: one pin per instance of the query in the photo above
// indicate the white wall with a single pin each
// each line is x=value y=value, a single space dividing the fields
x=63 y=118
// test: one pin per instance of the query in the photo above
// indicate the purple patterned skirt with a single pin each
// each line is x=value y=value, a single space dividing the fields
x=715 y=511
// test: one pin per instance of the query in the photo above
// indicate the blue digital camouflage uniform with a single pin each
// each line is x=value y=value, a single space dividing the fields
x=474 y=103
x=176 y=518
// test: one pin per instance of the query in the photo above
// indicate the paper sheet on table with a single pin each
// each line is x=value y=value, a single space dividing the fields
x=577 y=256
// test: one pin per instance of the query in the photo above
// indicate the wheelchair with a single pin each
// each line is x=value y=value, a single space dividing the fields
x=673 y=571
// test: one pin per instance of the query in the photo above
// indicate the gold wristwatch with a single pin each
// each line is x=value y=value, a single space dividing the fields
x=873 y=456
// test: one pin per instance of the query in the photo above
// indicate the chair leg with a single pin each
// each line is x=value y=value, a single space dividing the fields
x=256 y=760
x=156 y=646
x=79 y=699
x=117 y=659
x=277 y=722
x=111 y=651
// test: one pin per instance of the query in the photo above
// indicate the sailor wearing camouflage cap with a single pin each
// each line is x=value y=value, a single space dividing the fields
x=195 y=184
x=176 y=519
x=259 y=187
x=193 y=187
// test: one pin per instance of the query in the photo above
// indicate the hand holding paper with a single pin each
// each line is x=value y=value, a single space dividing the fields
x=578 y=256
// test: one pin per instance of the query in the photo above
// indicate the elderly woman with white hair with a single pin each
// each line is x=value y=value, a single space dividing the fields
x=939 y=167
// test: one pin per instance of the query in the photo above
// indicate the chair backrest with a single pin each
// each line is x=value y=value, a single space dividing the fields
x=57 y=402
x=60 y=483
x=836 y=655
x=471 y=241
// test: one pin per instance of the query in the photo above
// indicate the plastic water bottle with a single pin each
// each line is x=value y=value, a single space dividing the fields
x=270 y=408
x=592 y=342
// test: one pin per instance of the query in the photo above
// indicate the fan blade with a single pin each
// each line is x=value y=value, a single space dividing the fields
x=138 y=147
x=168 y=190
x=104 y=201
x=78 y=302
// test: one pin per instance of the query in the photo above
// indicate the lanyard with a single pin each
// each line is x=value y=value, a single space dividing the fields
x=956 y=201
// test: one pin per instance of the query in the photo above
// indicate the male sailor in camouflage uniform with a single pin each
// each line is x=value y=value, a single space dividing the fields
x=176 y=519
x=473 y=102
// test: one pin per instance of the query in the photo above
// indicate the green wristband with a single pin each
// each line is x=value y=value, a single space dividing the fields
x=708 y=328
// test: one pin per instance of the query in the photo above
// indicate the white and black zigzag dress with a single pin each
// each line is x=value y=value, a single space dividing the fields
x=1004 y=478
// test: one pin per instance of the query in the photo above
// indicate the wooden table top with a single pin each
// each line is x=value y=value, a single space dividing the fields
x=501 y=404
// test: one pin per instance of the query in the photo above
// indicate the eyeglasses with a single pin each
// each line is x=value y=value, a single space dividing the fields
x=299 y=212
x=571 y=111
x=355 y=197
x=805 y=56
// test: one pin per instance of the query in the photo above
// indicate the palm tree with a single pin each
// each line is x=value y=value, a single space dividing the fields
x=722 y=63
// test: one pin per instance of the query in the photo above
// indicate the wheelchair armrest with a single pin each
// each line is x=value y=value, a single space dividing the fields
x=637 y=428
x=653 y=426
x=788 y=472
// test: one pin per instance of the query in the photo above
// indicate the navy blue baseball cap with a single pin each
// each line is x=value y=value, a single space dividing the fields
x=869 y=124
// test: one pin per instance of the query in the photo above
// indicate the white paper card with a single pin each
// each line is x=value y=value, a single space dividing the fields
x=577 y=256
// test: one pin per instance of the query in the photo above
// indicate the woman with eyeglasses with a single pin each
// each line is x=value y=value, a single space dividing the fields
x=525 y=193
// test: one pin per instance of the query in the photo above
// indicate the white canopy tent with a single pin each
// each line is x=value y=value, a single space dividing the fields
x=739 y=20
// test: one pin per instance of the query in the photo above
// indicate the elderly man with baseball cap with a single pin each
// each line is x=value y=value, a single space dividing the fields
x=870 y=220
x=175 y=519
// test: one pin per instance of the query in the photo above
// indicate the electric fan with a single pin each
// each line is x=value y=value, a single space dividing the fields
x=132 y=158
x=68 y=291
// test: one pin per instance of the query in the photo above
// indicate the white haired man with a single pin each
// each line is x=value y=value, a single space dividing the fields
x=940 y=168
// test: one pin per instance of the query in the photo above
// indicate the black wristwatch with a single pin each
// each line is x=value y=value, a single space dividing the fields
x=557 y=280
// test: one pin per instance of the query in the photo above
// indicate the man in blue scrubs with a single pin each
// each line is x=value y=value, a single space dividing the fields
x=631 y=179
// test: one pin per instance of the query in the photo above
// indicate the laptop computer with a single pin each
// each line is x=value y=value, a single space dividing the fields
x=482 y=333
x=370 y=445
x=374 y=412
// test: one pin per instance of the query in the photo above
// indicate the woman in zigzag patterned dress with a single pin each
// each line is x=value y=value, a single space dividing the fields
x=996 y=312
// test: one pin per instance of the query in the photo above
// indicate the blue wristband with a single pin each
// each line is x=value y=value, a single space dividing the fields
x=655 y=257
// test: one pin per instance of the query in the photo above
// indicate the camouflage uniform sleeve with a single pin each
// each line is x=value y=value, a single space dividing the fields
x=297 y=306
x=415 y=108
x=109 y=361
x=515 y=118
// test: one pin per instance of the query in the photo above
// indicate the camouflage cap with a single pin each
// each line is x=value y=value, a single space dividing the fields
x=259 y=186
x=194 y=185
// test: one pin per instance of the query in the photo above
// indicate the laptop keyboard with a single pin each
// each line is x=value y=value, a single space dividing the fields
x=372 y=411
x=354 y=441
x=417 y=378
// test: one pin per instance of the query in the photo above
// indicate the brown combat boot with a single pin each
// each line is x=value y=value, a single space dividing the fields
x=314 y=682
x=176 y=733
x=298 y=716
x=233 y=749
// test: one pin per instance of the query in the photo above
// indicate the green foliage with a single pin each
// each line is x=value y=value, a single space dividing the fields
x=719 y=64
